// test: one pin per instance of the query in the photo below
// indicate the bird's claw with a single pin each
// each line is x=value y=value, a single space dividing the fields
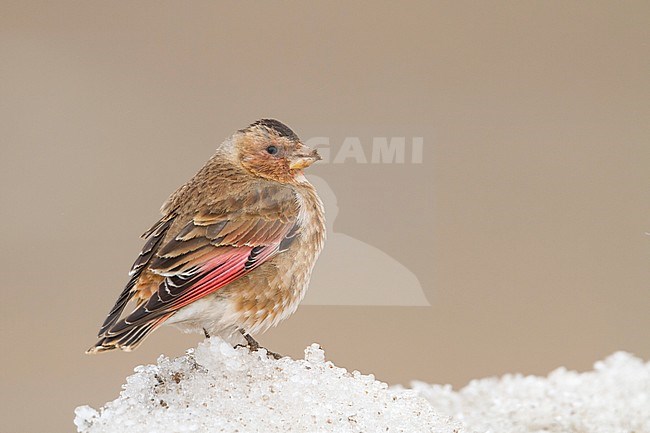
x=254 y=346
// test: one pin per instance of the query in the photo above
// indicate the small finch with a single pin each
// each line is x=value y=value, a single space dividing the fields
x=233 y=252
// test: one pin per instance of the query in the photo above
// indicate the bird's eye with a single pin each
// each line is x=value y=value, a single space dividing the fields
x=272 y=150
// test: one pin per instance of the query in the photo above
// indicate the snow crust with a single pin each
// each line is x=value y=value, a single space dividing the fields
x=613 y=398
x=216 y=388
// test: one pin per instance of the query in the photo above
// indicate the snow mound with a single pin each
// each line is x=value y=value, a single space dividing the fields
x=613 y=398
x=216 y=388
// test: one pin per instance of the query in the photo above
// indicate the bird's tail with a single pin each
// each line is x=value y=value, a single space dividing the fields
x=125 y=336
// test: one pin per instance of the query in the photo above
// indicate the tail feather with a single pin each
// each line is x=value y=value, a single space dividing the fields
x=117 y=309
x=127 y=338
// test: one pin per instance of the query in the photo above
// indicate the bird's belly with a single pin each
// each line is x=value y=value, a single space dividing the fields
x=205 y=314
x=267 y=295
x=249 y=304
x=256 y=301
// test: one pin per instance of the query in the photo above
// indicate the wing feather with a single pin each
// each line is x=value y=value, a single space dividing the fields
x=155 y=237
x=216 y=246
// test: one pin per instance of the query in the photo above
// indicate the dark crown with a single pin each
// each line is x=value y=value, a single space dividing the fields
x=276 y=126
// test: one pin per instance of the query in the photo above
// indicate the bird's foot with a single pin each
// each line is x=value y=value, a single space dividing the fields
x=254 y=346
x=274 y=355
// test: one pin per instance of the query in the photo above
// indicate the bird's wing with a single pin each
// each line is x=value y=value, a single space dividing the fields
x=154 y=236
x=217 y=246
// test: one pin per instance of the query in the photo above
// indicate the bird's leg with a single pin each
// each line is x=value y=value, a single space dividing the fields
x=253 y=345
x=205 y=332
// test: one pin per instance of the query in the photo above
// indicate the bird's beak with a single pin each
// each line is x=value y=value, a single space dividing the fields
x=303 y=159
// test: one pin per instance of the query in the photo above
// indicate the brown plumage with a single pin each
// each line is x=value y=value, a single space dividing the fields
x=234 y=249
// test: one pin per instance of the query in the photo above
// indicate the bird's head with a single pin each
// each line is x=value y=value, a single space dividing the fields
x=270 y=149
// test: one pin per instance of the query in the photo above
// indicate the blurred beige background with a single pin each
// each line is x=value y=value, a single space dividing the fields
x=525 y=224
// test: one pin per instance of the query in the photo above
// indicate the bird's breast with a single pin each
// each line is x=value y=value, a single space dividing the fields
x=272 y=292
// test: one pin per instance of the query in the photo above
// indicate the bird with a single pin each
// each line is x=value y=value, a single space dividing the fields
x=233 y=252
